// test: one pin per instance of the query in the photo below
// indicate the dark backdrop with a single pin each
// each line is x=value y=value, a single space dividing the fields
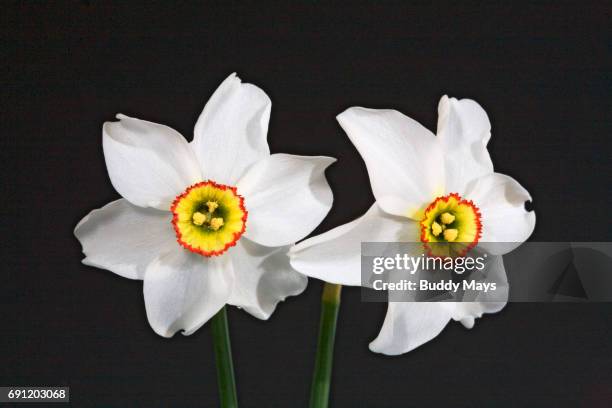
x=542 y=72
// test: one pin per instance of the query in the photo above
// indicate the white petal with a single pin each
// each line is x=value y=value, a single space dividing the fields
x=403 y=158
x=505 y=222
x=183 y=290
x=149 y=164
x=484 y=302
x=408 y=325
x=335 y=256
x=124 y=238
x=230 y=134
x=286 y=196
x=464 y=130
x=462 y=122
x=263 y=277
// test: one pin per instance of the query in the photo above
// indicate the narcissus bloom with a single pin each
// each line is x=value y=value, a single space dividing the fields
x=429 y=189
x=205 y=223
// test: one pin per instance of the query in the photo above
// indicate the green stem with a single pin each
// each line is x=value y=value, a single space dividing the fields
x=330 y=304
x=223 y=358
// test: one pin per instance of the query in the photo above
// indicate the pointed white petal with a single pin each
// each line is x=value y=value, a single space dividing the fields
x=484 y=302
x=183 y=290
x=462 y=122
x=263 y=277
x=231 y=132
x=464 y=131
x=124 y=238
x=505 y=222
x=286 y=196
x=149 y=164
x=408 y=325
x=404 y=159
x=411 y=324
x=335 y=256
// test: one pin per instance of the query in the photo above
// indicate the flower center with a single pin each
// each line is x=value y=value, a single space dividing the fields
x=451 y=226
x=209 y=218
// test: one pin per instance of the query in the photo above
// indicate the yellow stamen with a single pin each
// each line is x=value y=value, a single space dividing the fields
x=212 y=206
x=198 y=218
x=447 y=218
x=450 y=234
x=216 y=223
x=436 y=229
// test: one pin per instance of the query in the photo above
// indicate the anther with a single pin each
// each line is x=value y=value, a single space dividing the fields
x=447 y=218
x=216 y=223
x=198 y=218
x=212 y=206
x=436 y=229
x=450 y=234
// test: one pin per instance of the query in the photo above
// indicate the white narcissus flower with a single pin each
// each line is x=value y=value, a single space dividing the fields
x=205 y=223
x=428 y=189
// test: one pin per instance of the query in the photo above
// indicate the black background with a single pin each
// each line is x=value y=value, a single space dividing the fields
x=542 y=72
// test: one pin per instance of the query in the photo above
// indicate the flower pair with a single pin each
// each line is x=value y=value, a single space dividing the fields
x=212 y=222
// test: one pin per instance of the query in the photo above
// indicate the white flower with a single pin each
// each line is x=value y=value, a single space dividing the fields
x=427 y=188
x=208 y=222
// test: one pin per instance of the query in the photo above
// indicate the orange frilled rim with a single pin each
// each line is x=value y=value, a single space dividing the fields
x=468 y=222
x=201 y=239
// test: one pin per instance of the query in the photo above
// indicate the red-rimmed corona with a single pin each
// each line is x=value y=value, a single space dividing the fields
x=451 y=226
x=209 y=218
